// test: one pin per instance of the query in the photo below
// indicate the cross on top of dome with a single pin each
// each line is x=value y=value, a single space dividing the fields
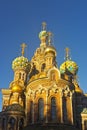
x=44 y=26
x=23 y=46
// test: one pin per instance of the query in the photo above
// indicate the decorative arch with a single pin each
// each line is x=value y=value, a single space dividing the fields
x=53 y=109
x=54 y=74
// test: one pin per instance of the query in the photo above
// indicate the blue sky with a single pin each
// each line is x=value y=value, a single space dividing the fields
x=20 y=21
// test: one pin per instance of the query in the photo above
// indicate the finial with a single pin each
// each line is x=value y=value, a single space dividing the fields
x=50 y=38
x=67 y=50
x=44 y=26
x=23 y=45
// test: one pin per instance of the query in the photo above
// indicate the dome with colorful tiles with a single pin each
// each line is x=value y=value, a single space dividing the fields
x=21 y=63
x=69 y=66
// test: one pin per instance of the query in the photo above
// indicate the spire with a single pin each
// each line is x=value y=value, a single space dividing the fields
x=23 y=46
x=67 y=53
x=44 y=26
x=50 y=38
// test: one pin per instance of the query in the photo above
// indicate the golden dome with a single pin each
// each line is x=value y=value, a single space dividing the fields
x=21 y=63
x=69 y=66
x=50 y=49
x=16 y=88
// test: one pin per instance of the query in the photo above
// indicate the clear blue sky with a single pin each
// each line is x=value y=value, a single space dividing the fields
x=20 y=21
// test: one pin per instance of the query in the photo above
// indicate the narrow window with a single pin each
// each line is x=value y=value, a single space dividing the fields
x=21 y=123
x=31 y=111
x=19 y=75
x=53 y=76
x=3 y=123
x=53 y=108
x=12 y=123
x=41 y=109
x=64 y=110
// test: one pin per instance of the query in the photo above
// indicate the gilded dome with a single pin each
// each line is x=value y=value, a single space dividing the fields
x=16 y=88
x=69 y=66
x=50 y=49
x=21 y=63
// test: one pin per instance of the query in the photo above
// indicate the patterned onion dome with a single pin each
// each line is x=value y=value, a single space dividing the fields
x=43 y=34
x=69 y=66
x=21 y=63
x=50 y=49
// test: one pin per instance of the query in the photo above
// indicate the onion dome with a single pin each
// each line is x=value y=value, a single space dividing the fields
x=20 y=63
x=43 y=34
x=50 y=49
x=17 y=88
x=68 y=65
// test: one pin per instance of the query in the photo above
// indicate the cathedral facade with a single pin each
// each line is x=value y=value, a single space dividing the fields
x=43 y=95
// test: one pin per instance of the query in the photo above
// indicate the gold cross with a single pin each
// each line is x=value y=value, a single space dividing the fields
x=44 y=25
x=67 y=53
x=23 y=45
x=50 y=38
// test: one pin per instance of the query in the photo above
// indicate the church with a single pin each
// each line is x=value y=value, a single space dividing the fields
x=43 y=95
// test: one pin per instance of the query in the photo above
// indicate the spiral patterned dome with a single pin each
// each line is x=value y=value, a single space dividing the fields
x=69 y=66
x=21 y=63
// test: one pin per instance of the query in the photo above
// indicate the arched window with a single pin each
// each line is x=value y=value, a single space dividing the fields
x=41 y=109
x=21 y=123
x=43 y=67
x=64 y=110
x=53 y=108
x=12 y=123
x=4 y=123
x=53 y=76
x=19 y=75
x=31 y=111
x=23 y=76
